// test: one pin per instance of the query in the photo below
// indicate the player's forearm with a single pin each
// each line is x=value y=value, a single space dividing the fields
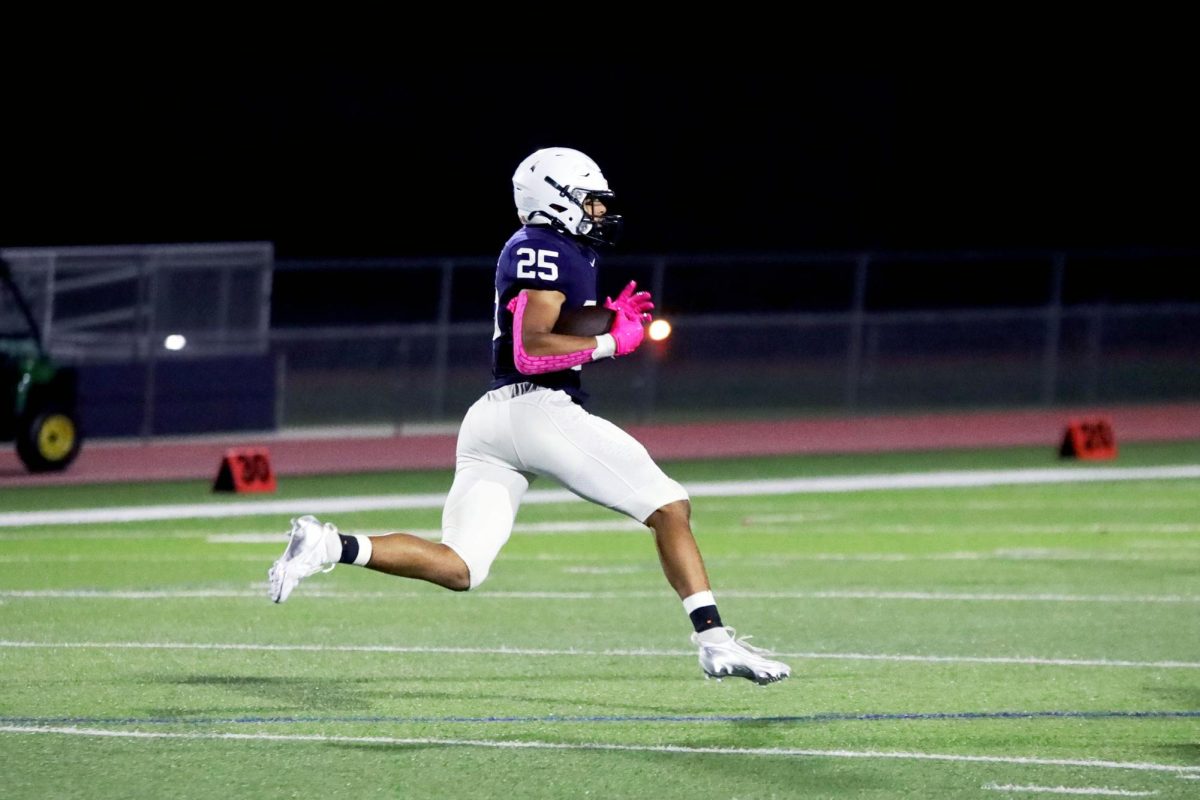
x=557 y=352
x=538 y=343
x=536 y=352
x=532 y=365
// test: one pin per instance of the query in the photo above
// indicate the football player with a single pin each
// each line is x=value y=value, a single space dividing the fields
x=532 y=422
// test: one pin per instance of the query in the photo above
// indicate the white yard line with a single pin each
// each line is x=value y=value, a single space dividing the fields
x=143 y=594
x=947 y=597
x=956 y=597
x=1014 y=554
x=849 y=483
x=645 y=653
x=566 y=526
x=907 y=529
x=630 y=569
x=617 y=526
x=1080 y=790
x=815 y=509
x=603 y=746
x=774 y=559
x=137 y=558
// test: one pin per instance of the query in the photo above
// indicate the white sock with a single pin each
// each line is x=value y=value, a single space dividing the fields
x=698 y=600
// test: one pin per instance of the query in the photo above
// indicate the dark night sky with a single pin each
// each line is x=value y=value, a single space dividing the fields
x=395 y=160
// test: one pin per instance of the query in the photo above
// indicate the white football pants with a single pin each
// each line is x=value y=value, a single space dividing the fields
x=515 y=433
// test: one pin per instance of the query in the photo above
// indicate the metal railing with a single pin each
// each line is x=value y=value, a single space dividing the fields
x=120 y=303
x=808 y=333
x=768 y=365
x=404 y=341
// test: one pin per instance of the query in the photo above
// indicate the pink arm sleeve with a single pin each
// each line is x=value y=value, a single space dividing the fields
x=533 y=365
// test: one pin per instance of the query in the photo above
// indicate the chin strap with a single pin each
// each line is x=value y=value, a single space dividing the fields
x=532 y=365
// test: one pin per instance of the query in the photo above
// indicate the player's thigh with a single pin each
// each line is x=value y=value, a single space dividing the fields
x=592 y=457
x=479 y=512
x=486 y=434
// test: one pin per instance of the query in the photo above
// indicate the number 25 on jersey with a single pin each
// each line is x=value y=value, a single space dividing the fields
x=537 y=264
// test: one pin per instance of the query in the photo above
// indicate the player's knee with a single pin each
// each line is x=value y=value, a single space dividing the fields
x=472 y=570
x=676 y=513
x=464 y=570
x=459 y=580
x=456 y=572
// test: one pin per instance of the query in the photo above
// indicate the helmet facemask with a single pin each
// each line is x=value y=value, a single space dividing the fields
x=605 y=229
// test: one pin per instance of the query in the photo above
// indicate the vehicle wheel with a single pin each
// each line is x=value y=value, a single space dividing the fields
x=49 y=440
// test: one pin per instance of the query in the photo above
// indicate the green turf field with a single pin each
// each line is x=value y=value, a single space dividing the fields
x=945 y=642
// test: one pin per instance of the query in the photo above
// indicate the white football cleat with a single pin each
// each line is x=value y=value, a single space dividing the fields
x=310 y=550
x=736 y=658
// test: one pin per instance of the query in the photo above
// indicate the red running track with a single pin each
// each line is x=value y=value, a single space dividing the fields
x=107 y=462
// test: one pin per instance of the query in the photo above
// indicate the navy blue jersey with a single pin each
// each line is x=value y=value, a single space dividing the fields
x=539 y=257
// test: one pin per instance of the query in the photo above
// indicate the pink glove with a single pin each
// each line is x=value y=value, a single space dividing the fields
x=637 y=304
x=627 y=332
x=632 y=312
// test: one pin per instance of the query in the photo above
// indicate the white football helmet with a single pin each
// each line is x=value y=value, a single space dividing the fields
x=551 y=186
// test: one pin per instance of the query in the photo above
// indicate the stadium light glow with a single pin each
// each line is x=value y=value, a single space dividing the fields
x=176 y=341
x=659 y=329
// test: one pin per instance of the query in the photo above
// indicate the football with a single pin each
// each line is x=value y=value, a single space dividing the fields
x=585 y=321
